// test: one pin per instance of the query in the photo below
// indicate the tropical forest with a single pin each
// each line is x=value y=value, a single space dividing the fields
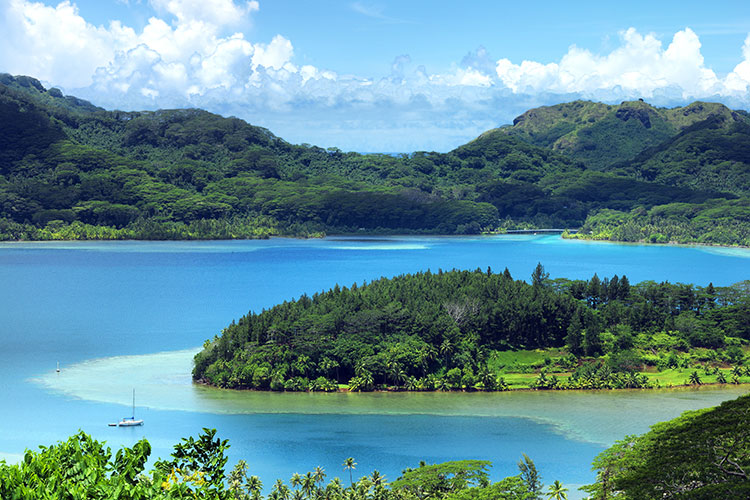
x=631 y=172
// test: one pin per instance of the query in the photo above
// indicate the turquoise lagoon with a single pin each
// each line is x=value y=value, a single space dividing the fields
x=124 y=315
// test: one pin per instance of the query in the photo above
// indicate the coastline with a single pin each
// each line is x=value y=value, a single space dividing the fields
x=575 y=237
x=391 y=390
x=375 y=235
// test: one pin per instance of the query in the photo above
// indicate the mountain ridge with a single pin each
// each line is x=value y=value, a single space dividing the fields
x=70 y=169
x=584 y=129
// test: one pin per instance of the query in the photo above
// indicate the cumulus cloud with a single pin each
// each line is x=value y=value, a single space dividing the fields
x=739 y=79
x=196 y=53
x=640 y=66
x=56 y=43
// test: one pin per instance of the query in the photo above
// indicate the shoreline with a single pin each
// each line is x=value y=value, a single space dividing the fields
x=574 y=237
x=388 y=235
x=345 y=390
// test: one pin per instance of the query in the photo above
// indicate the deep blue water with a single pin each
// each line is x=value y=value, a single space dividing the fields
x=70 y=302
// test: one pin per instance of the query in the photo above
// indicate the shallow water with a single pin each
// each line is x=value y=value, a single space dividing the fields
x=163 y=382
x=103 y=309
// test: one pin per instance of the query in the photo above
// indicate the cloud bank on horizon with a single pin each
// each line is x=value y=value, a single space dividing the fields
x=196 y=53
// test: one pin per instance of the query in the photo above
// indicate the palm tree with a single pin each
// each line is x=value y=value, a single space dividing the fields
x=557 y=492
x=401 y=376
x=280 y=490
x=446 y=349
x=443 y=385
x=350 y=464
x=376 y=478
x=334 y=489
x=721 y=378
x=378 y=482
x=237 y=477
x=695 y=379
x=486 y=377
x=308 y=484
x=632 y=381
x=296 y=480
x=254 y=487
x=363 y=487
x=393 y=369
x=320 y=474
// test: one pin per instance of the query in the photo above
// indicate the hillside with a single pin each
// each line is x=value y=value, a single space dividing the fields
x=602 y=135
x=712 y=154
x=72 y=170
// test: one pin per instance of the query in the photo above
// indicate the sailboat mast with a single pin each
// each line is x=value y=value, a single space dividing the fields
x=134 y=403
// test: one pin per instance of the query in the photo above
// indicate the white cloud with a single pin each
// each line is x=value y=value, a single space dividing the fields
x=195 y=53
x=275 y=55
x=56 y=43
x=640 y=66
x=739 y=79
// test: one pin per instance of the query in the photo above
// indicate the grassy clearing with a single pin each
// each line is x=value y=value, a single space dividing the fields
x=520 y=369
x=512 y=361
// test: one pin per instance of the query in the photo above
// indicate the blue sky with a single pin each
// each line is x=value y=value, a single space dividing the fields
x=379 y=76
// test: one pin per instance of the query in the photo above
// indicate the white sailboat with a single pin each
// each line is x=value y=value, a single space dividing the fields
x=128 y=422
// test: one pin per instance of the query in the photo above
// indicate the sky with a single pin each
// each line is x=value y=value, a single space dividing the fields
x=379 y=76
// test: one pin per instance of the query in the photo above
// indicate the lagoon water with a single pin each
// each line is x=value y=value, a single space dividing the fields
x=124 y=315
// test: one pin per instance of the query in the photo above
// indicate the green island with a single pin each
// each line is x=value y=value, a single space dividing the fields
x=70 y=170
x=485 y=331
x=702 y=454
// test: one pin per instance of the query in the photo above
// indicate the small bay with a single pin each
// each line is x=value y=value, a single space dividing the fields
x=124 y=315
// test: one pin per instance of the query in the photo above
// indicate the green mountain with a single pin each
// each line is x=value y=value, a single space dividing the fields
x=603 y=135
x=72 y=170
x=711 y=154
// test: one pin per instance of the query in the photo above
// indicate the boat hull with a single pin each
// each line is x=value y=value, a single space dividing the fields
x=129 y=423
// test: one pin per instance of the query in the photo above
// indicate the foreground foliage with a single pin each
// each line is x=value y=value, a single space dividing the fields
x=83 y=468
x=450 y=330
x=700 y=455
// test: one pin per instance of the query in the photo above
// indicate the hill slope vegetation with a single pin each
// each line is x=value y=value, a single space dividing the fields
x=69 y=169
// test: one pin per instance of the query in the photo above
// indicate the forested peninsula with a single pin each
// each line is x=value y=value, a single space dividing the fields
x=485 y=331
x=628 y=172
